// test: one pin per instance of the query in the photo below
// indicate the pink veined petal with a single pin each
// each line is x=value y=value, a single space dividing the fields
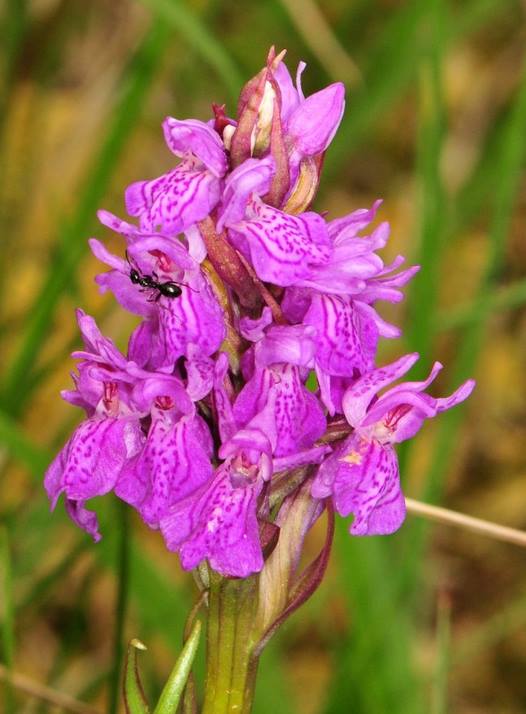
x=83 y=518
x=315 y=455
x=219 y=525
x=403 y=409
x=254 y=330
x=385 y=329
x=415 y=386
x=253 y=176
x=200 y=374
x=295 y=303
x=363 y=479
x=150 y=386
x=141 y=342
x=193 y=318
x=253 y=396
x=96 y=343
x=130 y=296
x=196 y=137
x=117 y=224
x=173 y=249
x=458 y=396
x=299 y=416
x=100 y=251
x=357 y=398
x=90 y=463
x=294 y=344
x=346 y=342
x=351 y=224
x=174 y=463
x=222 y=399
x=298 y=419
x=284 y=248
x=401 y=415
x=174 y=201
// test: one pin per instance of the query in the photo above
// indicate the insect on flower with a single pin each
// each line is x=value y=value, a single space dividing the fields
x=167 y=288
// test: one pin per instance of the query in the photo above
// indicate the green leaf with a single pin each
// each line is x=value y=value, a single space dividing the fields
x=174 y=687
x=134 y=698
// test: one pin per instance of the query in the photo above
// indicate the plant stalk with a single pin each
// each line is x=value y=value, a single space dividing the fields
x=231 y=663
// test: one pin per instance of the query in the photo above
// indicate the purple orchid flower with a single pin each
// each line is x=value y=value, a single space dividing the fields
x=362 y=475
x=91 y=461
x=220 y=523
x=173 y=327
x=188 y=193
x=109 y=451
x=202 y=442
x=309 y=124
x=174 y=462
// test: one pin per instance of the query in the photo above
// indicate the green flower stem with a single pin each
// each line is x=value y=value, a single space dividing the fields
x=231 y=664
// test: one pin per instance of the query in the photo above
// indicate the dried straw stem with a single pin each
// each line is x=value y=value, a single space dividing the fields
x=469 y=523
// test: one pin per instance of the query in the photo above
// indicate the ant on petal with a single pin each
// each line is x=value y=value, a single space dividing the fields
x=167 y=288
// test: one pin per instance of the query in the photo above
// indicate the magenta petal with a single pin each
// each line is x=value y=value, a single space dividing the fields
x=141 y=343
x=100 y=251
x=196 y=137
x=350 y=225
x=254 y=329
x=253 y=176
x=294 y=344
x=219 y=524
x=297 y=415
x=90 y=463
x=358 y=397
x=290 y=98
x=194 y=318
x=363 y=479
x=200 y=374
x=314 y=122
x=174 y=201
x=117 y=224
x=174 y=463
x=223 y=393
x=403 y=409
x=87 y=520
x=284 y=248
x=346 y=340
x=128 y=295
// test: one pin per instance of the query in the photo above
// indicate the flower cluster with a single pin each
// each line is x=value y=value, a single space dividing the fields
x=244 y=295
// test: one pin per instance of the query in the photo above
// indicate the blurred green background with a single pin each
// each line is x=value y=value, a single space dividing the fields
x=429 y=620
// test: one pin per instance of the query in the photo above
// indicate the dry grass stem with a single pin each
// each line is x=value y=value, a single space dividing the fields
x=469 y=523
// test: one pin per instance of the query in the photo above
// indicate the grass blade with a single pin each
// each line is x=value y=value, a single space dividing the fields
x=511 y=157
x=443 y=656
x=7 y=614
x=122 y=574
x=136 y=82
x=174 y=687
x=195 y=31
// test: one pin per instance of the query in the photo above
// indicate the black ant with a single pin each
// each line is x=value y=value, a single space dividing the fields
x=168 y=288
